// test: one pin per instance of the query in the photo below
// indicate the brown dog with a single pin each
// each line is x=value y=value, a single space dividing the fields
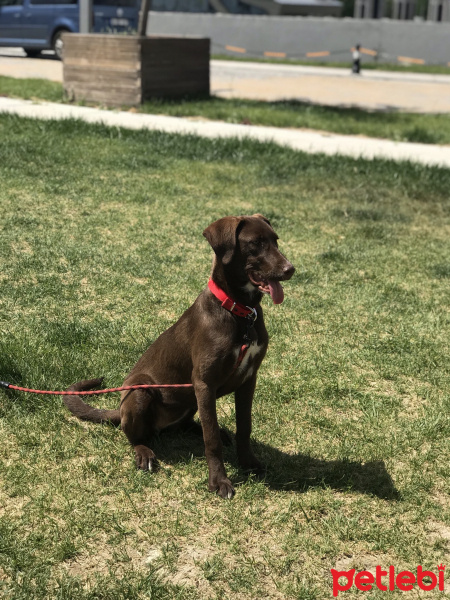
x=217 y=345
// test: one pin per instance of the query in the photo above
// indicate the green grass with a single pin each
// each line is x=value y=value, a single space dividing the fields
x=31 y=89
x=407 y=127
x=102 y=249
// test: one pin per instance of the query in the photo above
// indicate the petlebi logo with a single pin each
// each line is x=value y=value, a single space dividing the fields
x=388 y=579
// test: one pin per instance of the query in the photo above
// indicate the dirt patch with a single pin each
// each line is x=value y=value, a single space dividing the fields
x=104 y=560
x=438 y=531
x=201 y=567
x=188 y=570
x=360 y=562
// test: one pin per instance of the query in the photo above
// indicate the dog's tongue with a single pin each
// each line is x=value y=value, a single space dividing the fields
x=276 y=291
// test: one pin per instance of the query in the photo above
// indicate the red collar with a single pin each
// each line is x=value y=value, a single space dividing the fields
x=233 y=307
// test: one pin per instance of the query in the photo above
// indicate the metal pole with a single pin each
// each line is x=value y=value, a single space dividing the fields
x=143 y=16
x=86 y=16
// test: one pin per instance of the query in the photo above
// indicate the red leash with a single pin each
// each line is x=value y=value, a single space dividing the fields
x=9 y=386
x=228 y=303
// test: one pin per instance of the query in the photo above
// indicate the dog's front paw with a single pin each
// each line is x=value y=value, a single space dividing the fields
x=146 y=459
x=223 y=488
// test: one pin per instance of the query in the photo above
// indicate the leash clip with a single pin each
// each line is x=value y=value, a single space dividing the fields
x=253 y=315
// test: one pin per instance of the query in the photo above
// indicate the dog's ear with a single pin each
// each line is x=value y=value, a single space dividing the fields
x=259 y=216
x=222 y=236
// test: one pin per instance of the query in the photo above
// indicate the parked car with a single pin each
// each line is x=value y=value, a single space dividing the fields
x=36 y=25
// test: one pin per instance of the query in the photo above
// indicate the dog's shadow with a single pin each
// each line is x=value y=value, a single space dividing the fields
x=290 y=472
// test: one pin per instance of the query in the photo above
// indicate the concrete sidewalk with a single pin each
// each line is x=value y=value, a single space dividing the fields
x=306 y=141
x=372 y=90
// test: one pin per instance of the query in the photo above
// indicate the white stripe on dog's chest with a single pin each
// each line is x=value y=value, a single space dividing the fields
x=252 y=352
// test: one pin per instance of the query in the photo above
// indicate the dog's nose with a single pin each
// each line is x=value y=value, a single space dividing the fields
x=288 y=271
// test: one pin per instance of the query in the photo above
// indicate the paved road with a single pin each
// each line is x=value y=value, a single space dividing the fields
x=373 y=90
x=14 y=63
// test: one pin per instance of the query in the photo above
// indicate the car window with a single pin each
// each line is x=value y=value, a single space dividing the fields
x=34 y=2
x=123 y=3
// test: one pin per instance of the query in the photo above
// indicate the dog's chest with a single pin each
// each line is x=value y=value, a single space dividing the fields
x=250 y=361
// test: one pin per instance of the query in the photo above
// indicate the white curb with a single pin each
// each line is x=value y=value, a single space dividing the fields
x=305 y=141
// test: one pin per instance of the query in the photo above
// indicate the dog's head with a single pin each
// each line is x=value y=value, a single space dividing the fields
x=248 y=250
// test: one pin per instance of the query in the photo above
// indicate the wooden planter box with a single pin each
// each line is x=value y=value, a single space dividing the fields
x=121 y=70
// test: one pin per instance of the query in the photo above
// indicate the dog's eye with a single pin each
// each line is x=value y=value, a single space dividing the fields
x=255 y=245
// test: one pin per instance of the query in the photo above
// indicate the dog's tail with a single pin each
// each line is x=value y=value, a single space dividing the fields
x=85 y=412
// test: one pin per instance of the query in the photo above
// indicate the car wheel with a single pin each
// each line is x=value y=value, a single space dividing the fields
x=32 y=52
x=58 y=43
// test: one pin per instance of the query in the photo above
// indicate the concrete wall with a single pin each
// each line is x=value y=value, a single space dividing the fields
x=439 y=10
x=369 y=9
x=299 y=35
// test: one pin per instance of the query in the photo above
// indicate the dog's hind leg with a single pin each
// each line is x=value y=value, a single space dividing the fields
x=136 y=419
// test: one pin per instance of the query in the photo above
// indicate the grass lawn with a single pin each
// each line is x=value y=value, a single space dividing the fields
x=408 y=127
x=102 y=249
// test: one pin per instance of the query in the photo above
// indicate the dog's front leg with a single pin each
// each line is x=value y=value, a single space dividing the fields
x=243 y=398
x=218 y=480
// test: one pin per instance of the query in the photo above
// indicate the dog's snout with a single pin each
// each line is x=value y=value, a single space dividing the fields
x=288 y=271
